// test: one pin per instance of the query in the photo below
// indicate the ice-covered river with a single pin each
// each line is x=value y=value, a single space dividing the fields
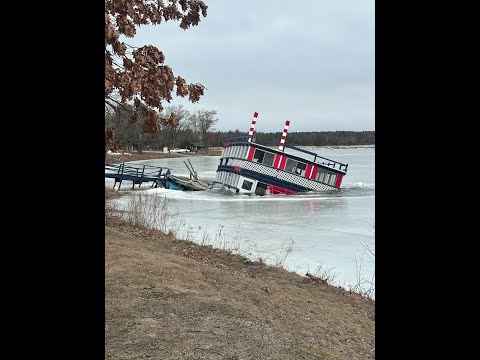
x=330 y=231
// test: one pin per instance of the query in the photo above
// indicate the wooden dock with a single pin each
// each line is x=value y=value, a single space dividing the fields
x=137 y=174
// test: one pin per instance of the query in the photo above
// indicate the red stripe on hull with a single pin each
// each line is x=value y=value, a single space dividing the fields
x=339 y=180
x=314 y=172
x=279 y=190
x=251 y=151
x=283 y=162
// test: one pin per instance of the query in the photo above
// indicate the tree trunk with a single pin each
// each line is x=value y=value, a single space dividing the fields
x=140 y=145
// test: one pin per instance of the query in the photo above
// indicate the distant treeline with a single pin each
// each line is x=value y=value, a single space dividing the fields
x=319 y=138
x=185 y=139
x=191 y=129
x=311 y=138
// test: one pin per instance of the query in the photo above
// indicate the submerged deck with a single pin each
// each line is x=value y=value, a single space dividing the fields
x=185 y=183
x=137 y=174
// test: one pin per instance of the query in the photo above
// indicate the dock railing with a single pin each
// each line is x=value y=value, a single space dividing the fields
x=137 y=174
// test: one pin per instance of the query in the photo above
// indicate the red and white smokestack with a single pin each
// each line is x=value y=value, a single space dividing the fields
x=284 y=135
x=252 y=127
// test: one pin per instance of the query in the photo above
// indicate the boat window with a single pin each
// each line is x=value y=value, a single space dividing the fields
x=320 y=175
x=333 y=177
x=243 y=154
x=259 y=154
x=327 y=178
x=261 y=188
x=247 y=185
x=268 y=158
x=290 y=165
x=300 y=170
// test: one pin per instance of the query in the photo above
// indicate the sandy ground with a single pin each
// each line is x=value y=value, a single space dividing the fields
x=171 y=299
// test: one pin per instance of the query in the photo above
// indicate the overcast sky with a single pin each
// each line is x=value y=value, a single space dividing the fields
x=310 y=62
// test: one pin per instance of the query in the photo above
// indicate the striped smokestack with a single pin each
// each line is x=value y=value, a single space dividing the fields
x=284 y=135
x=252 y=127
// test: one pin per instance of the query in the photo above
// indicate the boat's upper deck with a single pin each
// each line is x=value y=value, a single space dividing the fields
x=291 y=152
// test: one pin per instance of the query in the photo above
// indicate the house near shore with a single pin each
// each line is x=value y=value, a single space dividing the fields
x=194 y=147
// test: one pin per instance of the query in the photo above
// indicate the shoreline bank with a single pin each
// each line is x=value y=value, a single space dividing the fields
x=173 y=299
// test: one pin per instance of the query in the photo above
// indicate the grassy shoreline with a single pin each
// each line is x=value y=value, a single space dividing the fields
x=173 y=299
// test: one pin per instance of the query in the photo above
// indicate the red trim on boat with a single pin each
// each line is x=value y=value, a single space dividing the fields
x=237 y=169
x=283 y=161
x=276 y=162
x=279 y=190
x=314 y=172
x=339 y=180
x=251 y=151
x=308 y=170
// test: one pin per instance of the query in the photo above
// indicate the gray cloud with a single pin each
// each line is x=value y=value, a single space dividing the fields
x=311 y=62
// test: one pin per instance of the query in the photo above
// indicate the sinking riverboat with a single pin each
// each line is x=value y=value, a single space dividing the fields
x=247 y=167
